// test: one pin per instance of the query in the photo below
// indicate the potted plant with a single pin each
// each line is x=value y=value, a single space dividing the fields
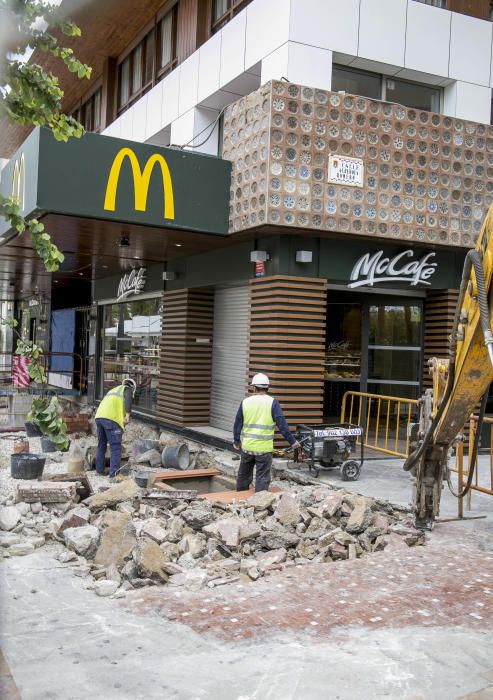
x=45 y=410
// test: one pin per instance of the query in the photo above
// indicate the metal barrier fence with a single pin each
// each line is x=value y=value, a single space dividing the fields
x=482 y=480
x=386 y=420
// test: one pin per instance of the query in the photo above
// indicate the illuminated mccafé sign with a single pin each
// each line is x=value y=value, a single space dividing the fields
x=376 y=268
x=131 y=284
x=141 y=179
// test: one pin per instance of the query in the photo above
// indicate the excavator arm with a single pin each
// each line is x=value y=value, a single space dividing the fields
x=460 y=381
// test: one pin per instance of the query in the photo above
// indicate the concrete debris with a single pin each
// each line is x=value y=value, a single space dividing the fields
x=360 y=517
x=117 y=539
x=105 y=587
x=149 y=560
x=124 y=491
x=154 y=529
x=76 y=517
x=82 y=540
x=19 y=550
x=9 y=517
x=152 y=457
x=46 y=492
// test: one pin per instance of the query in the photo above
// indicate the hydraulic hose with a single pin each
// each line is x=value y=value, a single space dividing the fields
x=474 y=453
x=473 y=258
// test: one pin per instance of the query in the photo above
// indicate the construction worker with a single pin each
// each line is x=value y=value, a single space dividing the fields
x=112 y=416
x=253 y=431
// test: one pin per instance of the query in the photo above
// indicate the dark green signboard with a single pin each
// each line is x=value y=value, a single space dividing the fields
x=107 y=178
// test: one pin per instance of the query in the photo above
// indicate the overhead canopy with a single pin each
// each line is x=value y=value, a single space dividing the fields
x=110 y=179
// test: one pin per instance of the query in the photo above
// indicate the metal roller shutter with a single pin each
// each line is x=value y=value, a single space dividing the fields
x=229 y=356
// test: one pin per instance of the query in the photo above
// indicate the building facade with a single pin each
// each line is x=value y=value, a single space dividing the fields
x=359 y=154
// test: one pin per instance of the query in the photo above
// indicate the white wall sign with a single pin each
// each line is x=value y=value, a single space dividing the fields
x=131 y=284
x=376 y=268
x=346 y=171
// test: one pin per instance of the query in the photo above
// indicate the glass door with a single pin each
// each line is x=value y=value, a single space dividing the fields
x=394 y=348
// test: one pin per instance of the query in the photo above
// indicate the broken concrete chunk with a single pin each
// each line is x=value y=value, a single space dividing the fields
x=149 y=560
x=153 y=529
x=7 y=539
x=76 y=517
x=198 y=516
x=123 y=491
x=262 y=500
x=267 y=560
x=330 y=505
x=196 y=545
x=152 y=457
x=19 y=550
x=360 y=517
x=170 y=550
x=306 y=549
x=117 y=539
x=175 y=529
x=287 y=510
x=105 y=588
x=277 y=540
x=47 y=492
x=9 y=517
x=82 y=540
x=381 y=522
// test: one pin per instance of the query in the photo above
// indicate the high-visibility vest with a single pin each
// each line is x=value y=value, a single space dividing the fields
x=258 y=426
x=112 y=407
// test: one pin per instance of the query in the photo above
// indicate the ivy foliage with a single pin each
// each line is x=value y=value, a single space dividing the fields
x=31 y=96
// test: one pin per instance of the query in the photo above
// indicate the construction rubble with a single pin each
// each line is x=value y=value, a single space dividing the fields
x=125 y=537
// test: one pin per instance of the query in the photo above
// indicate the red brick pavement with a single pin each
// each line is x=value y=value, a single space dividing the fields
x=444 y=583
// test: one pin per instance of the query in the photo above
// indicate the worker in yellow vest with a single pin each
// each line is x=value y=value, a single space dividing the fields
x=253 y=431
x=112 y=416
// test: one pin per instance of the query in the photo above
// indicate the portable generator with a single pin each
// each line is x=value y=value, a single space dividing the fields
x=330 y=446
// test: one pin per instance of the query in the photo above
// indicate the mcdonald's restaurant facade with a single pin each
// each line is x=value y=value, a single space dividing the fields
x=328 y=273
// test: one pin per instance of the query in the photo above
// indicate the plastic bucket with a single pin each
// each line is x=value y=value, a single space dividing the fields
x=48 y=445
x=32 y=429
x=176 y=456
x=26 y=466
x=141 y=479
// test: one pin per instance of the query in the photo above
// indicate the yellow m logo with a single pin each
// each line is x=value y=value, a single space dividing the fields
x=141 y=182
x=19 y=182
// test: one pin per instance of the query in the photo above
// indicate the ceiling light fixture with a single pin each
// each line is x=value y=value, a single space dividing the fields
x=178 y=245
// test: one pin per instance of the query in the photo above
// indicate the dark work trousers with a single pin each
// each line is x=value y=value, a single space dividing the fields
x=110 y=433
x=263 y=463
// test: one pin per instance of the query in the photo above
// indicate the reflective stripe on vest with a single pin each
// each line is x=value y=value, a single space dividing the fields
x=258 y=426
x=112 y=407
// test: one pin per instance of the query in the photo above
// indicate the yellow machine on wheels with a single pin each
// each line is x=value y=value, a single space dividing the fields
x=460 y=382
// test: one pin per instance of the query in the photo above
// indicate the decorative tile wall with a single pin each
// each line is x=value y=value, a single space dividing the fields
x=427 y=177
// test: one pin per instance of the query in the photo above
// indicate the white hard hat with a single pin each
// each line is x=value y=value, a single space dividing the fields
x=128 y=381
x=260 y=380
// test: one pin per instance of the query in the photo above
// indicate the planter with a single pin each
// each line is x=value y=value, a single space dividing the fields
x=48 y=445
x=32 y=430
x=26 y=466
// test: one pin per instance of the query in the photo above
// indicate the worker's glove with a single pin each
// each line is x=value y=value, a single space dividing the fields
x=237 y=445
x=296 y=445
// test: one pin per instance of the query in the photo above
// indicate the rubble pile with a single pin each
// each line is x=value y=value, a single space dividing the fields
x=125 y=537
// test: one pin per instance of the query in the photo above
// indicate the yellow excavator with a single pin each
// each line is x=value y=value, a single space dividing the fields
x=460 y=383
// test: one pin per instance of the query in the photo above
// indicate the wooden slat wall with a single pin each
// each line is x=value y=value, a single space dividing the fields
x=439 y=316
x=475 y=8
x=185 y=364
x=287 y=342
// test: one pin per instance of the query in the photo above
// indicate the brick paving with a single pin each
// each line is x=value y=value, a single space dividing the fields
x=448 y=582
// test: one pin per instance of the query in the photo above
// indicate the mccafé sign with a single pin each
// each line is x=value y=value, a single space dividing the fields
x=376 y=268
x=131 y=284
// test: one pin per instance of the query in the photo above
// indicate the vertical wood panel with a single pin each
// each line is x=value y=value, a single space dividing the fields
x=287 y=342
x=186 y=357
x=439 y=316
x=475 y=8
x=186 y=40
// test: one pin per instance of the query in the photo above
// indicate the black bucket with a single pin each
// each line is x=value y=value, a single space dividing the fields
x=48 y=445
x=26 y=466
x=176 y=456
x=32 y=430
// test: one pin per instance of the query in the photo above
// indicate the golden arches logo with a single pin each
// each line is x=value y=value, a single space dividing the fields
x=19 y=182
x=141 y=180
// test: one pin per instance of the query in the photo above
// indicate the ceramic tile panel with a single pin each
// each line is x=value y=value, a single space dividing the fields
x=427 y=177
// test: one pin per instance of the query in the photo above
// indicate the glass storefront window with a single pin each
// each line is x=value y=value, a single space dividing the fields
x=343 y=351
x=395 y=325
x=131 y=336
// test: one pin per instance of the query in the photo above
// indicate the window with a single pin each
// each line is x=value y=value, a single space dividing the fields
x=89 y=113
x=435 y=3
x=357 y=82
x=153 y=57
x=380 y=87
x=224 y=10
x=413 y=95
x=131 y=337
